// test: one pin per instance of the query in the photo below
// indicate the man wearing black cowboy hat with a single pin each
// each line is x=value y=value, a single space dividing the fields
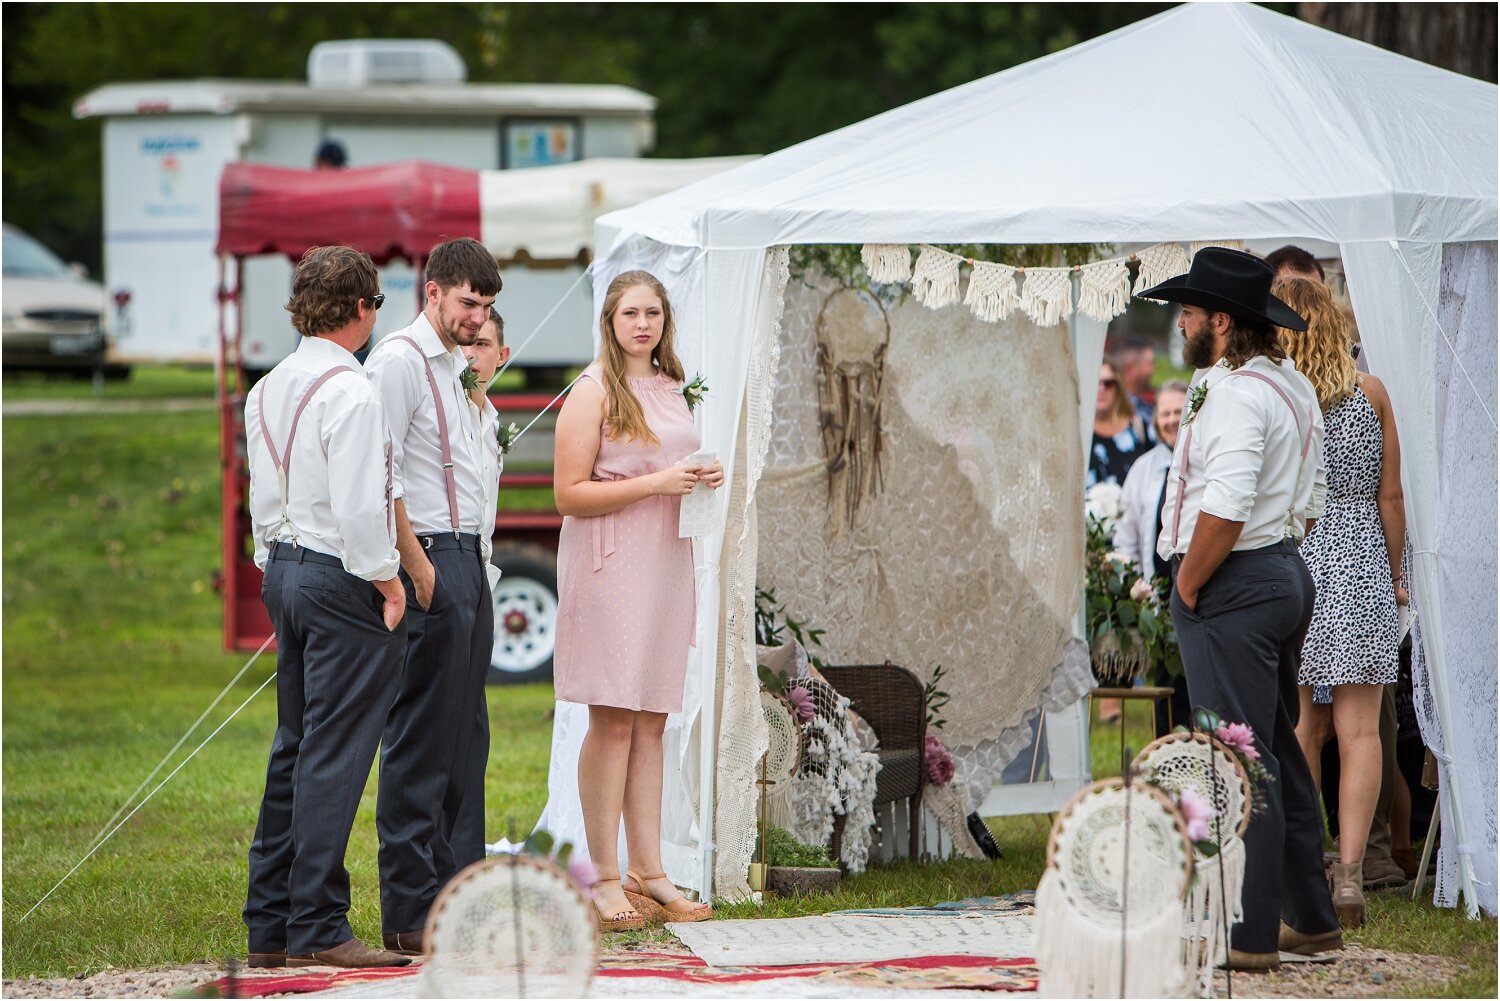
x=1246 y=479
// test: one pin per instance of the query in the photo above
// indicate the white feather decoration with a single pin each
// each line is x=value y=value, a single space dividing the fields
x=1158 y=263
x=1047 y=295
x=992 y=292
x=934 y=281
x=887 y=262
x=1104 y=289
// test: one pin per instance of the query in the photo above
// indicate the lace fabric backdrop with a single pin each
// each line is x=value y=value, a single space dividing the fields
x=969 y=553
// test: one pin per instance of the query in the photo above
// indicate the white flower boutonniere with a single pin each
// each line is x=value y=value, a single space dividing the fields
x=507 y=434
x=693 y=391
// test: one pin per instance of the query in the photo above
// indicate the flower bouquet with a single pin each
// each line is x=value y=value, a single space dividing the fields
x=1129 y=625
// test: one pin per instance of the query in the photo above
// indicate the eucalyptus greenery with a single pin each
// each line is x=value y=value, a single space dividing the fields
x=772 y=624
x=935 y=699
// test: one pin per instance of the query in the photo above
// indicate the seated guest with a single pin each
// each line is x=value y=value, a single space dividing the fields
x=1140 y=524
x=1119 y=433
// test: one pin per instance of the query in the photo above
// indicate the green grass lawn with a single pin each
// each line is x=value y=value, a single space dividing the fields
x=146 y=382
x=112 y=649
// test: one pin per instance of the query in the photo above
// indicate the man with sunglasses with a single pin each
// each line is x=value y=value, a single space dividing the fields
x=443 y=523
x=323 y=515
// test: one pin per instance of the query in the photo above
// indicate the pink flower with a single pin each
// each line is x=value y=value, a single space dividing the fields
x=802 y=703
x=1240 y=739
x=937 y=762
x=1197 y=813
x=583 y=874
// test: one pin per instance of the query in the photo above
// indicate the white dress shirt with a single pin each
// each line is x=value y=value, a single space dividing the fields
x=494 y=465
x=1245 y=463
x=340 y=490
x=1135 y=532
x=401 y=381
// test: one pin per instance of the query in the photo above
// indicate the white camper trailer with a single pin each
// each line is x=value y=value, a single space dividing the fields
x=167 y=142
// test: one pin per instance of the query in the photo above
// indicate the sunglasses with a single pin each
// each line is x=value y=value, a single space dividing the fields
x=1106 y=383
x=376 y=301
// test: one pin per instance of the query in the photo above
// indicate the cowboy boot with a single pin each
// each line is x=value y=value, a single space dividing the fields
x=1349 y=894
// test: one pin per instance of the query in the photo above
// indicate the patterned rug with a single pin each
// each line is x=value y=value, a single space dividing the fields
x=921 y=973
x=1023 y=902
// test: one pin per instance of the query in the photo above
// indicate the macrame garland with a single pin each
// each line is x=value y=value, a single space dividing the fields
x=1082 y=958
x=1158 y=263
x=934 y=281
x=887 y=262
x=1205 y=936
x=992 y=291
x=1226 y=244
x=1104 y=289
x=1046 y=295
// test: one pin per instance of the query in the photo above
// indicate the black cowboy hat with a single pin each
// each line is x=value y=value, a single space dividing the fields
x=1228 y=281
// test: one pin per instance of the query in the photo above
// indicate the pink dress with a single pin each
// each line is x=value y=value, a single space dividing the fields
x=626 y=597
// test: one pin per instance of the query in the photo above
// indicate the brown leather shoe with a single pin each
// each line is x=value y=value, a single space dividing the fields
x=1259 y=961
x=267 y=960
x=350 y=955
x=406 y=943
x=1309 y=944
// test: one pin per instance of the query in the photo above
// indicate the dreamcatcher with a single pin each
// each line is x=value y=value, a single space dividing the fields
x=511 y=926
x=1109 y=905
x=853 y=334
x=1203 y=764
x=777 y=768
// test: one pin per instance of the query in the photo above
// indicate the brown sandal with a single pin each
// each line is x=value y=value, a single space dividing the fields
x=620 y=920
x=679 y=909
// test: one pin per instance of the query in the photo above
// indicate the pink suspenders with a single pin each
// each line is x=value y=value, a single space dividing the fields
x=283 y=463
x=1187 y=441
x=442 y=423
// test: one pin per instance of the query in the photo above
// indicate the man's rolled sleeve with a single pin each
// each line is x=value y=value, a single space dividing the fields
x=1235 y=447
x=355 y=443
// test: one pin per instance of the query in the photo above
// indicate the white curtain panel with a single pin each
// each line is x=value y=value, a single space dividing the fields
x=1427 y=319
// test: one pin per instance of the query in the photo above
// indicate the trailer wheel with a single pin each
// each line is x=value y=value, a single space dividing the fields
x=525 y=614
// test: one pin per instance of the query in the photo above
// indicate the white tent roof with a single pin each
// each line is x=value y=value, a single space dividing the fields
x=1208 y=121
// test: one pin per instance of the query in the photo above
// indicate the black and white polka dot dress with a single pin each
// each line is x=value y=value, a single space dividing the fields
x=1352 y=639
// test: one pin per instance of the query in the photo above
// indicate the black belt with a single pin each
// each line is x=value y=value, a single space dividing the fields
x=287 y=551
x=450 y=540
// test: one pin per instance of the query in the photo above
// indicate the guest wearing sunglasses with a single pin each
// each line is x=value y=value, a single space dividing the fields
x=1119 y=433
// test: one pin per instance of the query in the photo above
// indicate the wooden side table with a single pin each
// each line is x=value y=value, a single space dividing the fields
x=1150 y=693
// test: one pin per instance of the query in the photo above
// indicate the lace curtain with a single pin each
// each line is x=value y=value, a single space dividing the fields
x=970 y=554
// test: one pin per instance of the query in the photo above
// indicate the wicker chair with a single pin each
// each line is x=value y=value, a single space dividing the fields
x=892 y=701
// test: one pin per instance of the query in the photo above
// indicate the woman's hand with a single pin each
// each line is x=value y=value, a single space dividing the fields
x=712 y=474
x=674 y=481
x=1402 y=598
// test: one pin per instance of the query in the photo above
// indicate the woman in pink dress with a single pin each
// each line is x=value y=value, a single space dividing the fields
x=626 y=595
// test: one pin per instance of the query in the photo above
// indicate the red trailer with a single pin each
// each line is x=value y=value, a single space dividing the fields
x=391 y=211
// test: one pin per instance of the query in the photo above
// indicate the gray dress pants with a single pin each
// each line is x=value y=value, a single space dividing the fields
x=430 y=809
x=1241 y=649
x=336 y=672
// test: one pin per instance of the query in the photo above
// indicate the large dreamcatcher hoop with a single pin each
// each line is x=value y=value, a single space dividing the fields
x=511 y=926
x=1109 y=905
x=1203 y=763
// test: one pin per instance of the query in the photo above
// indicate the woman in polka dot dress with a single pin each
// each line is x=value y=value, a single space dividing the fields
x=626 y=601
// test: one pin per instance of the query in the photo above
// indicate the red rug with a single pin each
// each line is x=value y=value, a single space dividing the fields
x=984 y=973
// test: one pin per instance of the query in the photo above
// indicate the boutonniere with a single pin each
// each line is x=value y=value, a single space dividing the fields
x=469 y=379
x=1197 y=395
x=507 y=434
x=693 y=391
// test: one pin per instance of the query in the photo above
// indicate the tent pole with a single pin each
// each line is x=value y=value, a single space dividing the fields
x=708 y=757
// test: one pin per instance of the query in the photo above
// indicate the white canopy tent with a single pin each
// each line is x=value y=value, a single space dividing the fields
x=1243 y=124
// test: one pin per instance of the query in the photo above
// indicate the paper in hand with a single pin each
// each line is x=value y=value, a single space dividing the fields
x=700 y=511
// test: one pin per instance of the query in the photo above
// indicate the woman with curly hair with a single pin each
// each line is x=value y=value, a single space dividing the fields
x=1354 y=554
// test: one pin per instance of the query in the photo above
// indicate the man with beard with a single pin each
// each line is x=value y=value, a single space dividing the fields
x=443 y=529
x=322 y=509
x=1246 y=479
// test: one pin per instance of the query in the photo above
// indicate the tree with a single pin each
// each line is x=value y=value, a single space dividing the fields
x=1456 y=36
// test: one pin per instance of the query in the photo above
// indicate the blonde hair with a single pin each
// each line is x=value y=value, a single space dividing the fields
x=1124 y=409
x=1322 y=351
x=624 y=415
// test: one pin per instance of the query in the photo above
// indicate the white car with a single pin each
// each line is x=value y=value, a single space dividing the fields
x=54 y=318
